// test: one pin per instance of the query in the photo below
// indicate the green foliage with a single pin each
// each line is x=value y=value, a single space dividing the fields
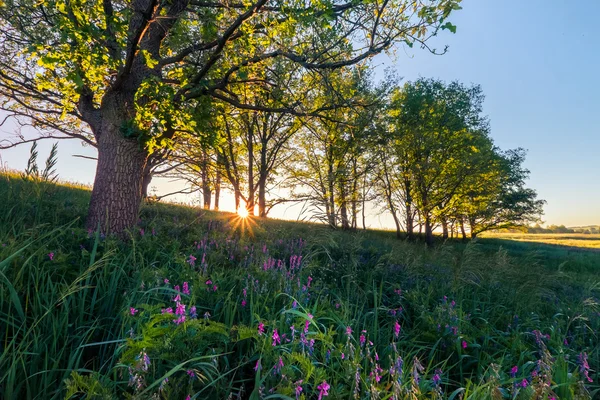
x=82 y=314
x=441 y=166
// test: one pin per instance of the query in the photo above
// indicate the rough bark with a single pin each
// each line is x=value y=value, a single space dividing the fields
x=117 y=192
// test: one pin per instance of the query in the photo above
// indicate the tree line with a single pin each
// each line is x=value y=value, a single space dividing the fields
x=420 y=151
x=256 y=96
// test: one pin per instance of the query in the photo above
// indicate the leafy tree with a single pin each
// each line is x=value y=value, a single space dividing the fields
x=435 y=129
x=333 y=160
x=136 y=76
x=496 y=197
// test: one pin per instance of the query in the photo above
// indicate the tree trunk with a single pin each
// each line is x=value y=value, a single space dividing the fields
x=238 y=196
x=444 y=229
x=344 y=207
x=331 y=183
x=262 y=180
x=355 y=196
x=204 y=175
x=472 y=228
x=117 y=192
x=363 y=201
x=462 y=229
x=428 y=230
x=217 y=189
x=409 y=212
x=250 y=203
x=262 y=200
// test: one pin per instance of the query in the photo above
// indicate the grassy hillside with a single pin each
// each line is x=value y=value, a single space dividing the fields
x=200 y=305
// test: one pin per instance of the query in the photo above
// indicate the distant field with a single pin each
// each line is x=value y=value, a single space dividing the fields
x=559 y=239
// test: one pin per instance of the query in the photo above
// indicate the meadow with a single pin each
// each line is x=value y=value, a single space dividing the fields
x=575 y=240
x=204 y=305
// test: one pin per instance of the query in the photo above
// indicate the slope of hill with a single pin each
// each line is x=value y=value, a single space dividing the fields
x=199 y=304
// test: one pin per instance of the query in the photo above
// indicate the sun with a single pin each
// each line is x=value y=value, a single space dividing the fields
x=242 y=212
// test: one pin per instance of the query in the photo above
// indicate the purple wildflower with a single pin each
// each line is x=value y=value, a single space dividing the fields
x=186 y=288
x=362 y=338
x=513 y=371
x=298 y=389
x=584 y=367
x=437 y=377
x=133 y=311
x=396 y=329
x=323 y=389
x=261 y=329
x=191 y=260
x=278 y=365
x=276 y=338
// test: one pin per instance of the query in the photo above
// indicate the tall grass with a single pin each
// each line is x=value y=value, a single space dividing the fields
x=283 y=310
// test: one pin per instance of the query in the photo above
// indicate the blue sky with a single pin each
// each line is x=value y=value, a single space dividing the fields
x=538 y=63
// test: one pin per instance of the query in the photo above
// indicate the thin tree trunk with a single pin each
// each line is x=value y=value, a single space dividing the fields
x=117 y=191
x=343 y=206
x=444 y=228
x=409 y=211
x=262 y=199
x=462 y=229
x=217 y=189
x=238 y=196
x=262 y=180
x=250 y=203
x=428 y=230
x=363 y=201
x=331 y=183
x=354 y=194
x=204 y=175
x=472 y=228
x=393 y=212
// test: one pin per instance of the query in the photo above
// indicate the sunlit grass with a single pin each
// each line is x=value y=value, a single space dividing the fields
x=584 y=241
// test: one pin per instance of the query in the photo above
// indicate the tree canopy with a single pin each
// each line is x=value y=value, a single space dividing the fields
x=134 y=77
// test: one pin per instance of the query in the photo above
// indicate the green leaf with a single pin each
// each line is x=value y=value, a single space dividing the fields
x=450 y=27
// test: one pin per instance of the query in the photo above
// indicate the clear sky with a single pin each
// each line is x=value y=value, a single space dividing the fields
x=538 y=63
